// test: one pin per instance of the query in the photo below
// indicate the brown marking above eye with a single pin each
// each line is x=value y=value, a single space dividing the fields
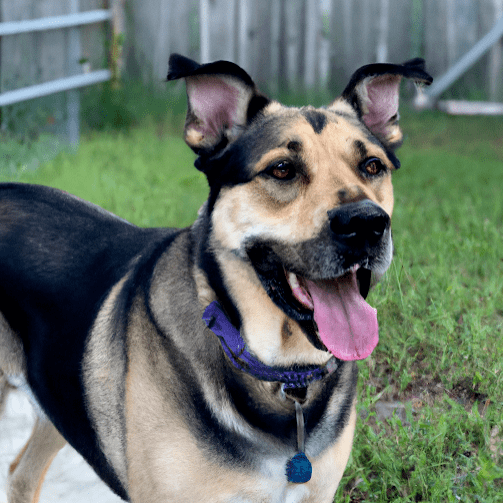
x=294 y=146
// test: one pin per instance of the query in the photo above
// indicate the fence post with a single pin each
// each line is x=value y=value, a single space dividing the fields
x=283 y=48
x=204 y=30
x=73 y=97
x=118 y=29
x=312 y=43
x=496 y=59
x=243 y=41
x=382 y=39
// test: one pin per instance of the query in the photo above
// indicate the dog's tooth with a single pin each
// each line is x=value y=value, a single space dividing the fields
x=293 y=281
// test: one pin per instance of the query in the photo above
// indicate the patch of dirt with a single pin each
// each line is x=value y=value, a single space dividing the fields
x=424 y=389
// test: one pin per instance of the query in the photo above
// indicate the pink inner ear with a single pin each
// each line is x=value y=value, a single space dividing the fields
x=382 y=102
x=214 y=102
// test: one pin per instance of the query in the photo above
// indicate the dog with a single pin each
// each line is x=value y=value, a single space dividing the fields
x=215 y=363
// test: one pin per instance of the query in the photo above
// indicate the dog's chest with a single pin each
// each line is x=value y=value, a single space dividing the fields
x=289 y=493
x=275 y=488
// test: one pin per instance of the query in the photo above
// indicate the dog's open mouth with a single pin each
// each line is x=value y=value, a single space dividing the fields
x=346 y=324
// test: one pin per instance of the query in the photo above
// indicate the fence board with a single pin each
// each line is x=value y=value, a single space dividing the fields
x=221 y=29
x=489 y=13
x=313 y=41
x=92 y=37
x=435 y=40
x=400 y=31
x=337 y=66
x=182 y=14
x=262 y=37
x=55 y=86
x=279 y=43
x=161 y=41
x=36 y=67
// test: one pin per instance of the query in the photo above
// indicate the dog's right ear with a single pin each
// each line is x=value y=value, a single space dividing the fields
x=222 y=100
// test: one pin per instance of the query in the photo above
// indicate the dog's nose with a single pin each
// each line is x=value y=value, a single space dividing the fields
x=359 y=224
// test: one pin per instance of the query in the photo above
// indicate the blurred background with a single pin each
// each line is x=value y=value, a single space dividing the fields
x=287 y=46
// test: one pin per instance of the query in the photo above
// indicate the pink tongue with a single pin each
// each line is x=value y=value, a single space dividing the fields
x=347 y=325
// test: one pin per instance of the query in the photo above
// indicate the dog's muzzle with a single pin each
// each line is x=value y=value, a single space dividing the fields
x=328 y=286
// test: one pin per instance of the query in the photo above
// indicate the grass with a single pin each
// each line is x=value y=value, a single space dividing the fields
x=441 y=323
x=116 y=170
x=440 y=305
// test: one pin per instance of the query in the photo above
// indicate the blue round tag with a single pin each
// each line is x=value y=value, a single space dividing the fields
x=299 y=469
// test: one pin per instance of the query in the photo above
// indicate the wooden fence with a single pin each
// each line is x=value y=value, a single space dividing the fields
x=316 y=43
x=281 y=43
x=48 y=54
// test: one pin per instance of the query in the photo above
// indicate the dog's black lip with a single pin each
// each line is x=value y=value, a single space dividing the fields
x=271 y=273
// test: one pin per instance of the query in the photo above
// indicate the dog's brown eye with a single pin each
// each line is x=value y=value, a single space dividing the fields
x=373 y=166
x=282 y=171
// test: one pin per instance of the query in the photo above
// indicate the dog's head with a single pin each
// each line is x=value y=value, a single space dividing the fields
x=300 y=204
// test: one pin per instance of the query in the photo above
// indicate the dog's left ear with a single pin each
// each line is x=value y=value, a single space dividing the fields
x=373 y=92
x=222 y=100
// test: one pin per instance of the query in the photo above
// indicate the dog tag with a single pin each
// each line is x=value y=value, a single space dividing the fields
x=299 y=468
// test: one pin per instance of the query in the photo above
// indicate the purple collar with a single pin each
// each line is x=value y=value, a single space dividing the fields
x=235 y=348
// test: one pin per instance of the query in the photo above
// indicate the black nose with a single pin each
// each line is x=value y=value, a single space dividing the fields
x=359 y=224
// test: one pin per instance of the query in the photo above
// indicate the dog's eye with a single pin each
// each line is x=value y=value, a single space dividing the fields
x=373 y=166
x=283 y=170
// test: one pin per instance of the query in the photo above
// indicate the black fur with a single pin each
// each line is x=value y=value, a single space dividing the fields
x=317 y=119
x=68 y=256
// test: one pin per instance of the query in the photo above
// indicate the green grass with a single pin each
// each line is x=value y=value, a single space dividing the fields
x=440 y=305
x=144 y=175
x=441 y=325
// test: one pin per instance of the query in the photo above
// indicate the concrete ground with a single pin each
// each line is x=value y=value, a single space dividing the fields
x=69 y=478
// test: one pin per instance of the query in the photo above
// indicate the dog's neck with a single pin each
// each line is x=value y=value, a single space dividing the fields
x=271 y=337
x=274 y=338
x=236 y=350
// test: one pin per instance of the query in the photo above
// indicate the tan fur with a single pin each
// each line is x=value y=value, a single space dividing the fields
x=11 y=351
x=103 y=369
x=329 y=467
x=263 y=321
x=28 y=470
x=12 y=361
x=5 y=389
x=158 y=438
x=331 y=165
x=205 y=294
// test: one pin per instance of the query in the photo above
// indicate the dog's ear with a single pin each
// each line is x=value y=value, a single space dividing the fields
x=222 y=99
x=373 y=92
